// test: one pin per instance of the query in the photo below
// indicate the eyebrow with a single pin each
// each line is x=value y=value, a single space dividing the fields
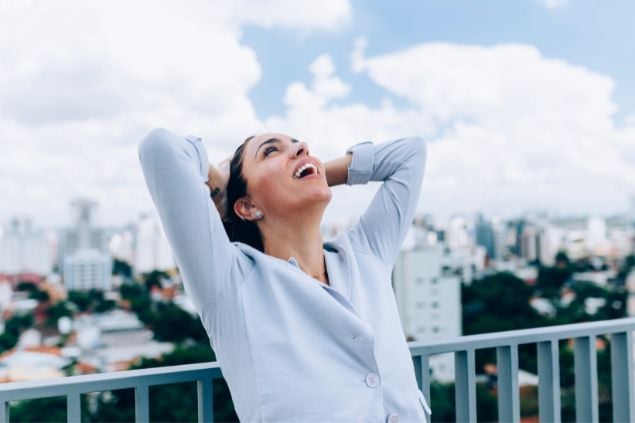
x=269 y=141
x=272 y=141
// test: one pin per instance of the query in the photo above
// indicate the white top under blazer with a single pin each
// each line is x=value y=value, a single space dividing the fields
x=290 y=348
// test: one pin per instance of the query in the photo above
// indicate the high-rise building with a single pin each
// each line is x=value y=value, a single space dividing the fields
x=429 y=300
x=596 y=234
x=86 y=262
x=152 y=251
x=501 y=233
x=83 y=233
x=485 y=235
x=529 y=243
x=25 y=249
x=88 y=269
x=122 y=246
x=457 y=235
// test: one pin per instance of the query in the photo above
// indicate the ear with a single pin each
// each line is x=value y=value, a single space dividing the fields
x=246 y=210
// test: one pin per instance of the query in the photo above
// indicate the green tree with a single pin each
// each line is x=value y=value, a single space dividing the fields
x=57 y=310
x=13 y=327
x=121 y=268
x=81 y=299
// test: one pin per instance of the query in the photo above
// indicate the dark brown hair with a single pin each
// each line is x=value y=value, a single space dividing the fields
x=239 y=230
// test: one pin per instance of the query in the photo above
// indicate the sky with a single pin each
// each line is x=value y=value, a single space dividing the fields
x=526 y=105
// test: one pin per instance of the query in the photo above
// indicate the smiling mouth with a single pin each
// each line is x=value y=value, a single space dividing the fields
x=305 y=170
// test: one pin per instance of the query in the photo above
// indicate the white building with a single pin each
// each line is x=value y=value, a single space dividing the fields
x=24 y=249
x=88 y=269
x=83 y=233
x=429 y=301
x=86 y=262
x=457 y=235
x=122 y=246
x=596 y=235
x=153 y=251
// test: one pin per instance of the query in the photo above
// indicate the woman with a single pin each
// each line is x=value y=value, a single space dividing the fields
x=303 y=330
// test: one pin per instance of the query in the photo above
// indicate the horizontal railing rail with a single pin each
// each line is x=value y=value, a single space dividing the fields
x=464 y=348
x=73 y=386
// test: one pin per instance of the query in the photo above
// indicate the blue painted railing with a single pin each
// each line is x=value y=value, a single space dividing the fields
x=506 y=343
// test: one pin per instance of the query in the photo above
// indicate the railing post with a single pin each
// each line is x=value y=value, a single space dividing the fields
x=586 y=380
x=465 y=388
x=4 y=412
x=622 y=377
x=422 y=373
x=141 y=409
x=73 y=408
x=549 y=381
x=205 y=389
x=507 y=383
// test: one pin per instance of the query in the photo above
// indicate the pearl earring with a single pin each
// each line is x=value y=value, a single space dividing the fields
x=258 y=214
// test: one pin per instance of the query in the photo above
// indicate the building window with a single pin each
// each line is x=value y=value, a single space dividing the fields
x=435 y=329
x=435 y=304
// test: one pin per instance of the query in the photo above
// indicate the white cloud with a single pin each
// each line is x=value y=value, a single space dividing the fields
x=523 y=131
x=80 y=85
x=510 y=130
x=328 y=15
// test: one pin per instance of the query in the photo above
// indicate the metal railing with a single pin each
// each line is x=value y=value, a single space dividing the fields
x=463 y=348
x=547 y=345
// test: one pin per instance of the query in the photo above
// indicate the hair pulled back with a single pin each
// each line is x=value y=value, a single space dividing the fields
x=239 y=230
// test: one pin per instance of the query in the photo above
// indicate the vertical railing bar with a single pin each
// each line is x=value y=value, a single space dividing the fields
x=141 y=408
x=422 y=373
x=425 y=375
x=423 y=378
x=508 y=394
x=586 y=383
x=417 y=364
x=622 y=377
x=73 y=408
x=4 y=412
x=465 y=388
x=549 y=381
x=205 y=390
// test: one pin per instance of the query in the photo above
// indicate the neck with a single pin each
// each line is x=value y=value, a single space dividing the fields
x=299 y=238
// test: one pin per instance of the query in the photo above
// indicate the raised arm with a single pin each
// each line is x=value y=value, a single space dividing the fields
x=176 y=171
x=337 y=170
x=400 y=165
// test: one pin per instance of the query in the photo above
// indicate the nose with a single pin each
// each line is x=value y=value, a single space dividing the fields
x=299 y=149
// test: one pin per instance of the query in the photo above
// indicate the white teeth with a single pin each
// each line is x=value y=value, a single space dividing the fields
x=301 y=169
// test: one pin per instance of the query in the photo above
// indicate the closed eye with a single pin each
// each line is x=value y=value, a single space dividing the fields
x=268 y=150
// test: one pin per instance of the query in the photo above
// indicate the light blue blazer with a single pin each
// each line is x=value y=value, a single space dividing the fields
x=291 y=348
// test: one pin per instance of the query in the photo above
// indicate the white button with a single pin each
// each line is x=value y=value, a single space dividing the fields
x=393 y=418
x=372 y=379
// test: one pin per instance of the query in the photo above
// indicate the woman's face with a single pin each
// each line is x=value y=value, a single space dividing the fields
x=282 y=178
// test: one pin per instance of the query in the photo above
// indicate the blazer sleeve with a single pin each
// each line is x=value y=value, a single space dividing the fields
x=400 y=165
x=175 y=171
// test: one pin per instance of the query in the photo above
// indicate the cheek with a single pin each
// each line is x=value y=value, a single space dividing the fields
x=269 y=185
